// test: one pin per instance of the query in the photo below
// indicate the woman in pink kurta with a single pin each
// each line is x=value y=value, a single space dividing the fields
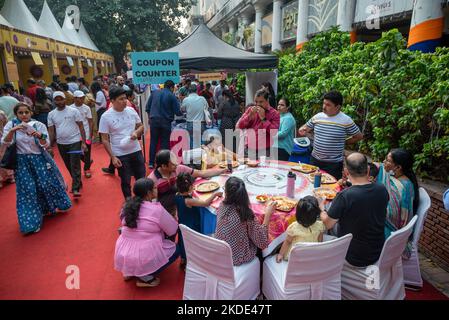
x=142 y=249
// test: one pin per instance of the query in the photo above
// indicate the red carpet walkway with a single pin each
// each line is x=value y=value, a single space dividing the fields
x=34 y=267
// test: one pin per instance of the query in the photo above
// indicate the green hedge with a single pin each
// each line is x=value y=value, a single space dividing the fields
x=398 y=97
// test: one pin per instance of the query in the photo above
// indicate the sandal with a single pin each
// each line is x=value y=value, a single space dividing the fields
x=149 y=284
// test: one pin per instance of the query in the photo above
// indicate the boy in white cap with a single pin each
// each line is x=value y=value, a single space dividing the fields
x=65 y=126
x=86 y=114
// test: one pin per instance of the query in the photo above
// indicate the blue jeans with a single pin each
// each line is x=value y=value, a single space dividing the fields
x=170 y=261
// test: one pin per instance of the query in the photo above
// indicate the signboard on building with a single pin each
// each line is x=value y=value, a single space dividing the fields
x=217 y=76
x=155 y=67
x=267 y=30
x=366 y=10
x=322 y=15
x=289 y=21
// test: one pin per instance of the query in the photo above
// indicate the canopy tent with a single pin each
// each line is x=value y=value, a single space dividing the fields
x=21 y=18
x=86 y=39
x=48 y=22
x=5 y=22
x=202 y=50
x=69 y=31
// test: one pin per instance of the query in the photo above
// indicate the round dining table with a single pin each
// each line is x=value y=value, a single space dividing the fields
x=269 y=179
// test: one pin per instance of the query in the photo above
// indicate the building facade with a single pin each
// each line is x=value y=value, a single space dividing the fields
x=269 y=25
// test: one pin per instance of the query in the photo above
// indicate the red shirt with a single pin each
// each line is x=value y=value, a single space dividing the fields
x=268 y=128
x=31 y=93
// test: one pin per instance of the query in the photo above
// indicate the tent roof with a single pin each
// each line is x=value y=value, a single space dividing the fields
x=82 y=32
x=21 y=17
x=4 y=22
x=48 y=22
x=203 y=50
x=69 y=31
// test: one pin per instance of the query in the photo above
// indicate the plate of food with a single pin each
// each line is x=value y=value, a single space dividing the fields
x=325 y=178
x=206 y=187
x=328 y=194
x=262 y=198
x=305 y=168
x=252 y=163
x=285 y=204
x=224 y=164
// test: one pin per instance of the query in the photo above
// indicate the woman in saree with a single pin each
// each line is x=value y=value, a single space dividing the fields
x=397 y=175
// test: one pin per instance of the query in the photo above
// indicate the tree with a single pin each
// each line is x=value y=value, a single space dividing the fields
x=149 y=25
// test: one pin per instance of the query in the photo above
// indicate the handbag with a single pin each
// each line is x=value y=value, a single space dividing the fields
x=9 y=160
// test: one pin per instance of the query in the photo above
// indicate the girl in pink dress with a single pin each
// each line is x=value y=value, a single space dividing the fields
x=142 y=249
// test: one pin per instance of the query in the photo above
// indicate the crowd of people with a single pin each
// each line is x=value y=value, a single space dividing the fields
x=376 y=200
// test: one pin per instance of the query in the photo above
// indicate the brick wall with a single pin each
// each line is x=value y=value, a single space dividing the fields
x=434 y=241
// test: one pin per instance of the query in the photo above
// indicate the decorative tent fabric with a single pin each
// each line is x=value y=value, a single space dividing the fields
x=86 y=39
x=202 y=50
x=5 y=22
x=48 y=22
x=21 y=18
x=70 y=32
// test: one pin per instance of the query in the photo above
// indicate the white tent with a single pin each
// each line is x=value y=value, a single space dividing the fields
x=86 y=39
x=21 y=18
x=4 y=22
x=70 y=32
x=48 y=22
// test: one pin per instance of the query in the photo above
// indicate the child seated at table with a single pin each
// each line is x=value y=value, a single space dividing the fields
x=189 y=208
x=306 y=228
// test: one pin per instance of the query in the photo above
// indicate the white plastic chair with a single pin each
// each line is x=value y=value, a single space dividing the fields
x=313 y=272
x=412 y=272
x=210 y=274
x=385 y=279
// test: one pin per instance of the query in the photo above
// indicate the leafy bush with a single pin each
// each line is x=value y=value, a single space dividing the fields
x=398 y=97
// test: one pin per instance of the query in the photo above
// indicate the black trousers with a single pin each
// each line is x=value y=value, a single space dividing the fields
x=86 y=157
x=283 y=155
x=158 y=132
x=333 y=168
x=132 y=165
x=72 y=162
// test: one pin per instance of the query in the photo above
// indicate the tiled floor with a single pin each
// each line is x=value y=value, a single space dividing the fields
x=433 y=274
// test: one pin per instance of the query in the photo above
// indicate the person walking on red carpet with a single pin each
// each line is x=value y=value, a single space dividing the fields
x=120 y=129
x=40 y=187
x=65 y=125
x=142 y=250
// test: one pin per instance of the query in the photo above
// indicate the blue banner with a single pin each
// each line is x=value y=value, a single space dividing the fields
x=155 y=67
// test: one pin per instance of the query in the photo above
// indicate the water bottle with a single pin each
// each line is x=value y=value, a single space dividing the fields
x=291 y=180
x=317 y=183
x=230 y=167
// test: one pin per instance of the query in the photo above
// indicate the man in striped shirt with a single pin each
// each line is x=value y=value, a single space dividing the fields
x=332 y=129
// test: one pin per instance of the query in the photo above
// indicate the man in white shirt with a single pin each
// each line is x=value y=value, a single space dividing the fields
x=86 y=114
x=122 y=84
x=7 y=103
x=65 y=127
x=196 y=107
x=120 y=129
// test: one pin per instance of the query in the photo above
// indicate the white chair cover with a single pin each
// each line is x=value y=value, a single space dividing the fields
x=312 y=273
x=384 y=280
x=210 y=274
x=412 y=272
